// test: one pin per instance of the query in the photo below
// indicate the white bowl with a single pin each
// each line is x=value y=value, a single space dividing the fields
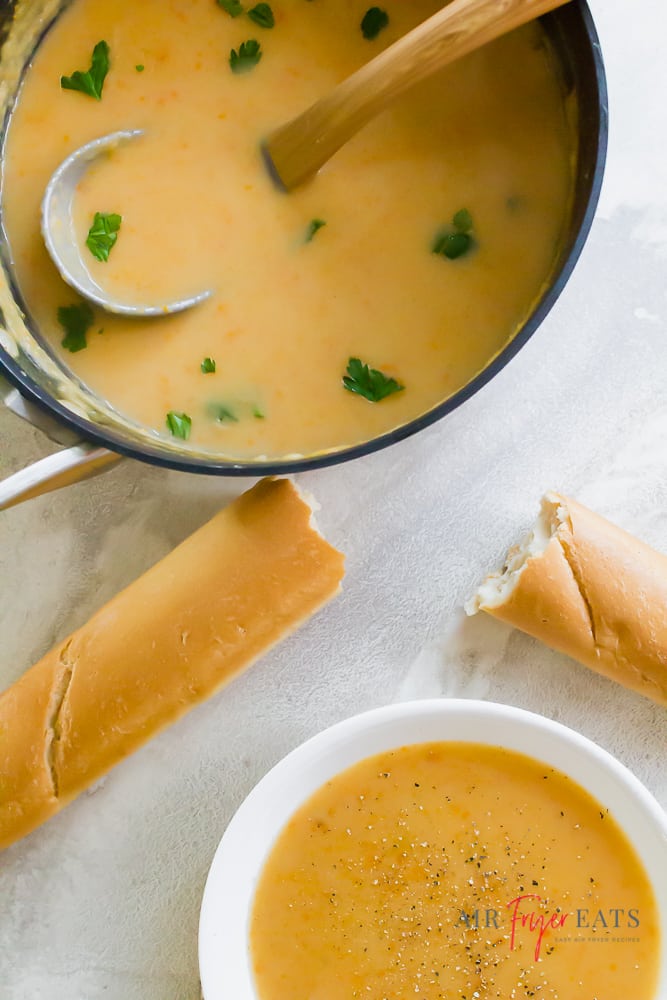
x=224 y=955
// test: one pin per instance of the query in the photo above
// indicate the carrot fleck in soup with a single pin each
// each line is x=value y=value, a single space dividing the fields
x=341 y=310
x=453 y=871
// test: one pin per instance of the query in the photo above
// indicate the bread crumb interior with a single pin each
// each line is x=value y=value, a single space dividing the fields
x=497 y=587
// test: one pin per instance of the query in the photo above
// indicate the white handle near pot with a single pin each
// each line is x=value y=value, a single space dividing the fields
x=51 y=473
x=79 y=461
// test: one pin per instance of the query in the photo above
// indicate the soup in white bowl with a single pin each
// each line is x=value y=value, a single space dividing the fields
x=401 y=849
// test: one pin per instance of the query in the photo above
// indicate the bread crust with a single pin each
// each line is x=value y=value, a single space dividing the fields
x=175 y=636
x=597 y=594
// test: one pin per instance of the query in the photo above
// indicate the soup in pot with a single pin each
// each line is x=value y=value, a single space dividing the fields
x=339 y=311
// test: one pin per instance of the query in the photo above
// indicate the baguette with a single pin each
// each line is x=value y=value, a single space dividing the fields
x=172 y=638
x=590 y=590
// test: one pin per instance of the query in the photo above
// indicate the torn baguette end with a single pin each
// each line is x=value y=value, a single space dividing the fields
x=496 y=588
x=310 y=501
x=586 y=588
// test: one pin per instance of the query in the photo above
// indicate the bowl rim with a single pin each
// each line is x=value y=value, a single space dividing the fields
x=224 y=958
x=107 y=437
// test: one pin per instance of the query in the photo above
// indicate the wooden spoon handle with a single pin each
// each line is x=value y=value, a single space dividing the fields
x=297 y=150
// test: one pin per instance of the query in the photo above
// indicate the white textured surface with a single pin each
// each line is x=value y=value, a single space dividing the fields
x=103 y=901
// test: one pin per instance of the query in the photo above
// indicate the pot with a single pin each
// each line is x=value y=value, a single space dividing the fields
x=43 y=391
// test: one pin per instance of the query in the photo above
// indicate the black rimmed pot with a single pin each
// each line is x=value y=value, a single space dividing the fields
x=572 y=32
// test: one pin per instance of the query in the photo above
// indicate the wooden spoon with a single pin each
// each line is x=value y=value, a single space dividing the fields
x=297 y=150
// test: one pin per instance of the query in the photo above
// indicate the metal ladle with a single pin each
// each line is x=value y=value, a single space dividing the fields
x=61 y=241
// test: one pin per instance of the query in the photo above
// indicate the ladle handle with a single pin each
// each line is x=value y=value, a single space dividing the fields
x=64 y=468
x=297 y=150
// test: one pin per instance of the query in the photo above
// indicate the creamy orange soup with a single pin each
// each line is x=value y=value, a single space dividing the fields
x=452 y=871
x=485 y=142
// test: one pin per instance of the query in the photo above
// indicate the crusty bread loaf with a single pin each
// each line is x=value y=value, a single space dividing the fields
x=588 y=589
x=169 y=640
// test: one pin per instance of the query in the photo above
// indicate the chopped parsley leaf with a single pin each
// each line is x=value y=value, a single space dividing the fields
x=140 y=67
x=233 y=7
x=75 y=320
x=452 y=245
x=257 y=413
x=313 y=226
x=248 y=55
x=208 y=366
x=180 y=424
x=262 y=15
x=462 y=220
x=369 y=382
x=223 y=414
x=373 y=21
x=91 y=81
x=457 y=242
x=103 y=234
